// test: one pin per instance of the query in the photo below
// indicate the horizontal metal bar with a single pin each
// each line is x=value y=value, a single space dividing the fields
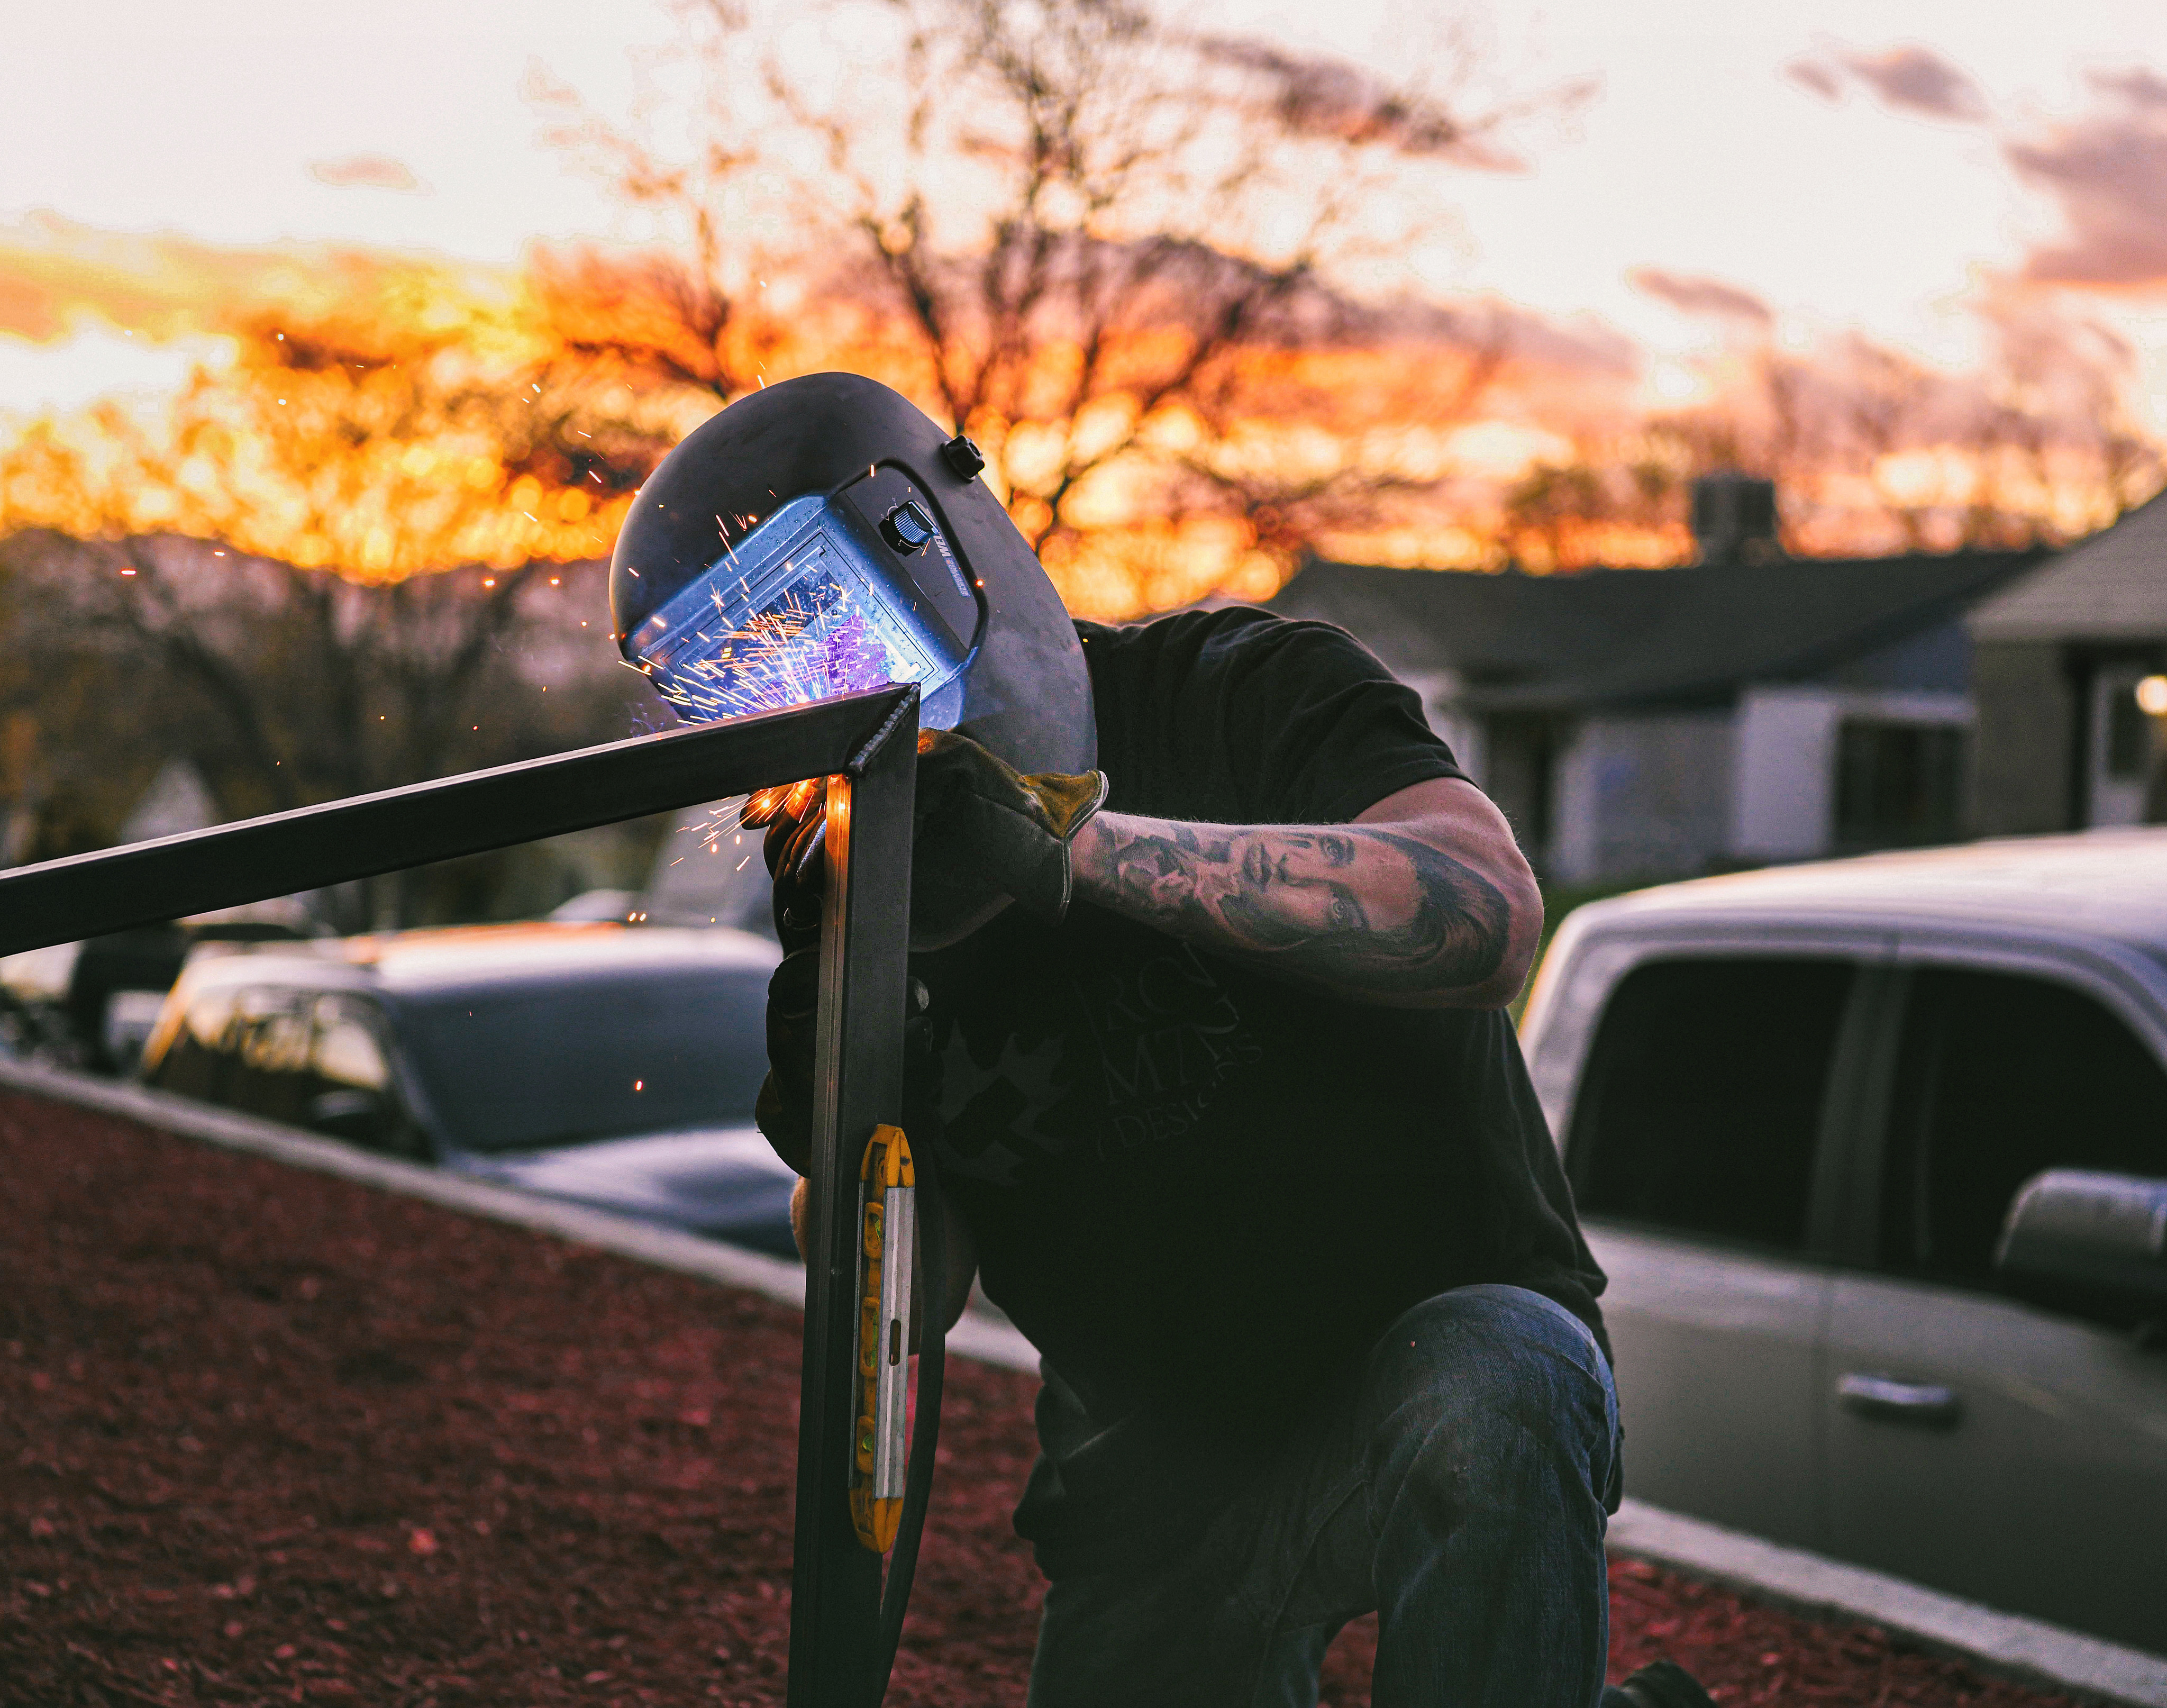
x=143 y=883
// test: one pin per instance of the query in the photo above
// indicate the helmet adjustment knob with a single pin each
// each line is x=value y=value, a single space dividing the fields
x=963 y=455
x=907 y=528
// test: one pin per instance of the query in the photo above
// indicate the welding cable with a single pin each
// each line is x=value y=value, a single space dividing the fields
x=926 y=1420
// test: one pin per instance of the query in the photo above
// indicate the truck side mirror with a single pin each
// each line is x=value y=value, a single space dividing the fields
x=2104 y=1234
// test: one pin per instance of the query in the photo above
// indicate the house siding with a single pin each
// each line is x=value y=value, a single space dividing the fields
x=2023 y=780
x=1644 y=795
x=1784 y=789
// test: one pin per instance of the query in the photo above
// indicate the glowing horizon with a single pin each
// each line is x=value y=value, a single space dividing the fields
x=1744 y=181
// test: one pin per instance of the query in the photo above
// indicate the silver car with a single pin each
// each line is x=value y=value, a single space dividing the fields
x=610 y=1066
x=1875 y=1154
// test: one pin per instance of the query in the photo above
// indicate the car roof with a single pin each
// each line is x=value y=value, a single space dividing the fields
x=2105 y=884
x=422 y=964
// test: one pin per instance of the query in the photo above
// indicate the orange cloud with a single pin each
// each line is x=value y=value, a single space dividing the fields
x=1915 y=79
x=1906 y=78
x=1811 y=75
x=375 y=171
x=2104 y=169
x=2108 y=171
x=54 y=273
x=1692 y=294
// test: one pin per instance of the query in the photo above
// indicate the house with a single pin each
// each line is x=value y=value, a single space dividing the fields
x=2060 y=656
x=1660 y=723
x=177 y=801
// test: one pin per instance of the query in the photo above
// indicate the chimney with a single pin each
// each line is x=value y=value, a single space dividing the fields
x=1734 y=518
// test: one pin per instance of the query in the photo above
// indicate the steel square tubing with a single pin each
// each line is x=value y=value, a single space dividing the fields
x=867 y=745
x=144 y=883
x=864 y=938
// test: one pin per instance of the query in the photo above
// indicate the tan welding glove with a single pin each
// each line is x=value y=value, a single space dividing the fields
x=985 y=833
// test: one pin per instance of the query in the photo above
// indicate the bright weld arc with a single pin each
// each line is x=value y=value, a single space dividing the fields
x=782 y=658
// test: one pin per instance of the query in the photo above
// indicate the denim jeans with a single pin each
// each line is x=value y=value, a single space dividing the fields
x=1455 y=1486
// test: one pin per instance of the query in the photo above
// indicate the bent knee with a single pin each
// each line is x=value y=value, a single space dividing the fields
x=1482 y=1359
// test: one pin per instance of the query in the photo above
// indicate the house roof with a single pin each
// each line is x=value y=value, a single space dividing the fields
x=2112 y=586
x=1625 y=637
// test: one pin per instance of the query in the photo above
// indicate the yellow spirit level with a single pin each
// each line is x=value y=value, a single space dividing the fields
x=887 y=1222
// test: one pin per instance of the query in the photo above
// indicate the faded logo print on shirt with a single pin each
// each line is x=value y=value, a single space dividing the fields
x=1139 y=1050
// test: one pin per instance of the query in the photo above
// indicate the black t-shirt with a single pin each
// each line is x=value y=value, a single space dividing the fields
x=1200 y=1190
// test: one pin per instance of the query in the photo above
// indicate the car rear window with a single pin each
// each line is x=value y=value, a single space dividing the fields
x=1703 y=1093
x=519 y=1066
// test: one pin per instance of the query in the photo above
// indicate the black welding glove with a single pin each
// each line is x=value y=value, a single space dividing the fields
x=785 y=1107
x=982 y=835
x=985 y=835
x=794 y=848
x=795 y=852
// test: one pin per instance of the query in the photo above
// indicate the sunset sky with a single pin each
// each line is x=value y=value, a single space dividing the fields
x=1843 y=161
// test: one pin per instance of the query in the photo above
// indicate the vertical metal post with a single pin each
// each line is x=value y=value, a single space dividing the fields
x=858 y=1083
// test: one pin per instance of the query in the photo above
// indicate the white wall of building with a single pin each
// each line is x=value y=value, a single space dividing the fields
x=1640 y=796
x=1784 y=783
x=1784 y=760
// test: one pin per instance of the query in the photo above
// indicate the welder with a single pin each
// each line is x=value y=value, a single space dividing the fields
x=1213 y=939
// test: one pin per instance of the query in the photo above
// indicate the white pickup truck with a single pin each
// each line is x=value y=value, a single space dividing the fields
x=1875 y=1155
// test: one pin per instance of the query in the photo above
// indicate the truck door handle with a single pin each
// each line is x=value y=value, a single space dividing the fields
x=1884 y=1397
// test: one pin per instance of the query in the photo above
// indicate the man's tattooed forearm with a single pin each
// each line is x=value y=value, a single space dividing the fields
x=1356 y=905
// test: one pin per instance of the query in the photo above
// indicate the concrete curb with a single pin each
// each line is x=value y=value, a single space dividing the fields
x=2027 y=1650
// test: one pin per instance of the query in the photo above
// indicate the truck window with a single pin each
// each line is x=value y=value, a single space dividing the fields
x=1703 y=1097
x=1998 y=1076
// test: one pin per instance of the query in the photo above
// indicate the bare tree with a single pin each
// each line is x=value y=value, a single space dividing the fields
x=247 y=579
x=408 y=431
x=1089 y=238
x=282 y=686
x=306 y=686
x=2056 y=409
x=2036 y=445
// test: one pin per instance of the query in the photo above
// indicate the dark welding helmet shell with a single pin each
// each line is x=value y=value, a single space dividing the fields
x=869 y=450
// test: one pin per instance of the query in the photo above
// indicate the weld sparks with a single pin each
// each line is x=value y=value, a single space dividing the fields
x=732 y=818
x=811 y=644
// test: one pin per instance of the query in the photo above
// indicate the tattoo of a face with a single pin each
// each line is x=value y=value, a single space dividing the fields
x=1356 y=905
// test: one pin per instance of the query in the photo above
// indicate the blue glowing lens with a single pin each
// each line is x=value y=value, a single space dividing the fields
x=798 y=610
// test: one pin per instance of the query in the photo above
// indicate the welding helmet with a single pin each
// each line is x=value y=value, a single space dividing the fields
x=823 y=536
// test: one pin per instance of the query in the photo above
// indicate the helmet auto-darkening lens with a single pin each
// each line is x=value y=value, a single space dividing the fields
x=802 y=609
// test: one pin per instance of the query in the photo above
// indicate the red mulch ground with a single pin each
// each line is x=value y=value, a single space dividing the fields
x=267 y=1436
